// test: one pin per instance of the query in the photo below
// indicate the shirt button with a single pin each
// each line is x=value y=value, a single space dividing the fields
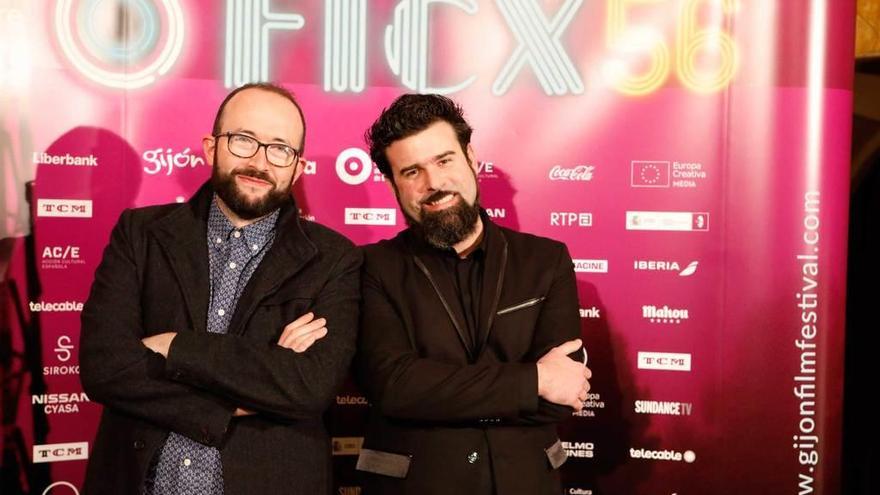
x=187 y=462
x=255 y=247
x=218 y=240
x=237 y=234
x=221 y=312
x=473 y=457
x=232 y=265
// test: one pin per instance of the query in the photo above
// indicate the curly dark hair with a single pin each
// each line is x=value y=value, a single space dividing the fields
x=265 y=86
x=409 y=115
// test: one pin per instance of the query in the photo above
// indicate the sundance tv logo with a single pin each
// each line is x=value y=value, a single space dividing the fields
x=370 y=216
x=56 y=452
x=71 y=208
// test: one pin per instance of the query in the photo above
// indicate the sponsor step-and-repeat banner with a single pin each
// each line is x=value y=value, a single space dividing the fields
x=692 y=154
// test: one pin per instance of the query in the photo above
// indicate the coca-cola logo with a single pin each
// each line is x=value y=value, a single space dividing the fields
x=580 y=172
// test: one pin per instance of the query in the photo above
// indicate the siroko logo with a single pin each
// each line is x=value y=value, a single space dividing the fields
x=577 y=173
x=354 y=167
x=166 y=159
x=649 y=174
x=62 y=348
x=665 y=266
x=664 y=361
x=570 y=219
x=370 y=216
x=664 y=314
x=73 y=208
x=682 y=221
x=590 y=266
x=55 y=452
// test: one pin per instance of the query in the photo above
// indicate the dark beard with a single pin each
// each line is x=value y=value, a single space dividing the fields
x=226 y=189
x=446 y=228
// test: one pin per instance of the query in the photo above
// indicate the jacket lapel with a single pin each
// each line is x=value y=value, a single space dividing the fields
x=182 y=236
x=290 y=252
x=493 y=279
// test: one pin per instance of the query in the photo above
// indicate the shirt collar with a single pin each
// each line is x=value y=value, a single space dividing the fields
x=220 y=229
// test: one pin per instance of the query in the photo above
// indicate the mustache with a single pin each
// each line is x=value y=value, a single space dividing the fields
x=256 y=174
x=434 y=197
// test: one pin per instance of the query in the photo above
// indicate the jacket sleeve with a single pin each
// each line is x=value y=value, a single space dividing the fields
x=404 y=385
x=558 y=322
x=270 y=379
x=118 y=371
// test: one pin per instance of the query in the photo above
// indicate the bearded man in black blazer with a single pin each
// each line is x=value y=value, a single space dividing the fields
x=466 y=327
x=217 y=331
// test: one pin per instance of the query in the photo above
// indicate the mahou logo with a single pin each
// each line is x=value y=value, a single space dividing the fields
x=580 y=172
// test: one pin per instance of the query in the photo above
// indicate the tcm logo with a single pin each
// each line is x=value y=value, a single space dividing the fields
x=571 y=219
x=165 y=161
x=59 y=403
x=664 y=361
x=590 y=266
x=649 y=174
x=74 y=208
x=665 y=266
x=583 y=450
x=354 y=167
x=496 y=212
x=666 y=408
x=56 y=452
x=664 y=314
x=578 y=173
x=66 y=159
x=663 y=455
x=682 y=221
x=591 y=312
x=370 y=216
x=486 y=170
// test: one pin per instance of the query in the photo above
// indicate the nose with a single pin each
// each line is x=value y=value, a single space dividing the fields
x=435 y=179
x=260 y=161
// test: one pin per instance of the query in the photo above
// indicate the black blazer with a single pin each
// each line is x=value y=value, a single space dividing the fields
x=454 y=417
x=154 y=278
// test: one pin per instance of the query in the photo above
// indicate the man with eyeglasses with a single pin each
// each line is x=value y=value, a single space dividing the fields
x=218 y=331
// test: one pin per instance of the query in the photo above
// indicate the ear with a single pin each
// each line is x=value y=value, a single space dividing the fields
x=472 y=158
x=208 y=144
x=298 y=168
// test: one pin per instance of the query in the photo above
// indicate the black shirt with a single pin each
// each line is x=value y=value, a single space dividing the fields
x=467 y=278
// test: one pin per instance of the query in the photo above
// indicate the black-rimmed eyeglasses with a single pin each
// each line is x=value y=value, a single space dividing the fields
x=244 y=146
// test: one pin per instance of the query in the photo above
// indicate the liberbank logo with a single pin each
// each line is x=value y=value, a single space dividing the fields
x=73 y=208
x=55 y=452
x=370 y=216
x=664 y=361
x=66 y=160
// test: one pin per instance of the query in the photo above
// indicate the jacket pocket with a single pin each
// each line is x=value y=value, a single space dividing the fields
x=522 y=305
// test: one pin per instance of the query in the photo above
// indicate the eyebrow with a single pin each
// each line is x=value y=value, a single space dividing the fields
x=254 y=135
x=433 y=159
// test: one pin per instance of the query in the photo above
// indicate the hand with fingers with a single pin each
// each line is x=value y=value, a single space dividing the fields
x=562 y=380
x=302 y=332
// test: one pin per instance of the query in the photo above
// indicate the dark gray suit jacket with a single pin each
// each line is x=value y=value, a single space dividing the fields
x=153 y=279
x=462 y=416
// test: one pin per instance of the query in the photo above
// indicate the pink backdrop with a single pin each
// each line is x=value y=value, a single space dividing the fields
x=692 y=154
